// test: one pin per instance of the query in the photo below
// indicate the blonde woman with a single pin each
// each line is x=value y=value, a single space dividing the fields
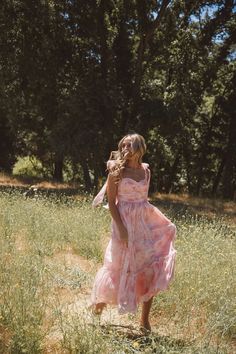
x=140 y=257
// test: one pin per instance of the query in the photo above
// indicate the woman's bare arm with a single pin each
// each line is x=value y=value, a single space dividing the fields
x=111 y=195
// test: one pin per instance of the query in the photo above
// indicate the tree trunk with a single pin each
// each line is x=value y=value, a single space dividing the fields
x=172 y=173
x=187 y=159
x=87 y=179
x=229 y=171
x=58 y=168
x=146 y=34
x=218 y=176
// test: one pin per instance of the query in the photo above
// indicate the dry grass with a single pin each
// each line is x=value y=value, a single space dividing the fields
x=20 y=181
x=204 y=203
x=49 y=254
x=201 y=206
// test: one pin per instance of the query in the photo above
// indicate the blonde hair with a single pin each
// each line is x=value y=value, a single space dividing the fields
x=116 y=162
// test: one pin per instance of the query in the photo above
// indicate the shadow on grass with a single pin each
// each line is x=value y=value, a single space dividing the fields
x=153 y=341
x=182 y=207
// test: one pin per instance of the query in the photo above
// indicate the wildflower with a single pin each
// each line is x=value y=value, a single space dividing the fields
x=135 y=344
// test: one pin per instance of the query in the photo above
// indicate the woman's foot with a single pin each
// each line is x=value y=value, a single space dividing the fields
x=97 y=308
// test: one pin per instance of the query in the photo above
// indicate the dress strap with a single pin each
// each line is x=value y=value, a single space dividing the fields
x=147 y=171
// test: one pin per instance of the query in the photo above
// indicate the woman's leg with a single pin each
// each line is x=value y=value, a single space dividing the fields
x=146 y=307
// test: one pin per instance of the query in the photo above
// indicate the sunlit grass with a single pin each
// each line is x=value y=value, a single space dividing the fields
x=201 y=299
x=196 y=315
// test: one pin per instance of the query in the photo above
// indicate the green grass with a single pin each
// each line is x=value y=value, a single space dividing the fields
x=196 y=315
x=202 y=298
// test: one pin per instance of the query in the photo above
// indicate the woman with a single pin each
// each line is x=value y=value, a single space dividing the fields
x=140 y=257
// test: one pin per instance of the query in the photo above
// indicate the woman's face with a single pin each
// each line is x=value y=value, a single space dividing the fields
x=126 y=147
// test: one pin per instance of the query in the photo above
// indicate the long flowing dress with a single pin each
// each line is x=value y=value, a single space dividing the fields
x=131 y=275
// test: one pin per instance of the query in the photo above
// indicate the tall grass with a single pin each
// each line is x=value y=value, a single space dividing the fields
x=196 y=315
x=201 y=301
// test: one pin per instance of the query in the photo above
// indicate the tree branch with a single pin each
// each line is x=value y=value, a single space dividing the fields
x=144 y=38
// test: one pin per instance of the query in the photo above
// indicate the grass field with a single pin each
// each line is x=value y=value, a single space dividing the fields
x=50 y=251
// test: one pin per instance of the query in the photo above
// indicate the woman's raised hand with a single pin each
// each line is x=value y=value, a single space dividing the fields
x=125 y=155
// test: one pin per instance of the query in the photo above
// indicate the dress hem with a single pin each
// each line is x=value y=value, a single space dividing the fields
x=156 y=289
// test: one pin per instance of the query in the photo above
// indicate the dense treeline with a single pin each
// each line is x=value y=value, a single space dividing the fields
x=77 y=75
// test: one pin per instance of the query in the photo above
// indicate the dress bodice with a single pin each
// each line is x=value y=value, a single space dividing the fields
x=129 y=190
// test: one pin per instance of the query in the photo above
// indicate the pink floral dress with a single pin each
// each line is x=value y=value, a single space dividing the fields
x=131 y=275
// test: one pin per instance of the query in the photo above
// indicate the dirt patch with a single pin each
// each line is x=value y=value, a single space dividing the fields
x=5 y=338
x=71 y=302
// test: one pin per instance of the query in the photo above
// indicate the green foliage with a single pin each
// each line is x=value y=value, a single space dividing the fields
x=28 y=166
x=76 y=76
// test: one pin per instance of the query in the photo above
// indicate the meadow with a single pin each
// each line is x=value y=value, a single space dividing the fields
x=50 y=250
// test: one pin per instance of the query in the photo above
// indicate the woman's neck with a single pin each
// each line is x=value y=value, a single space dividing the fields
x=133 y=164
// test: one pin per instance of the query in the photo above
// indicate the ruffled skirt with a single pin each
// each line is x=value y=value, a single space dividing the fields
x=132 y=275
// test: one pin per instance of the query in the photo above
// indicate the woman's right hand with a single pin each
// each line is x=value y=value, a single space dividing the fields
x=123 y=234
